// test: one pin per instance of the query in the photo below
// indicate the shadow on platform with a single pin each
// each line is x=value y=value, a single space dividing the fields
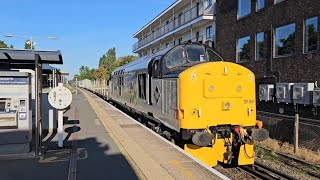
x=96 y=160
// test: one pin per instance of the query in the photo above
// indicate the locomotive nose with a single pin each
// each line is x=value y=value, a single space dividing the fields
x=222 y=93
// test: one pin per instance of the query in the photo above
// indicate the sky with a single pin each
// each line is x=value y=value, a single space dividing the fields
x=84 y=29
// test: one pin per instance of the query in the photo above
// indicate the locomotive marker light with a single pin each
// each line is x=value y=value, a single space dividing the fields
x=60 y=98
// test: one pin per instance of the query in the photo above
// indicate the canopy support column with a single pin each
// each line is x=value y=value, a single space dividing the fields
x=38 y=93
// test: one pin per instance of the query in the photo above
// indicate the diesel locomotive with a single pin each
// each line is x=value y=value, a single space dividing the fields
x=190 y=95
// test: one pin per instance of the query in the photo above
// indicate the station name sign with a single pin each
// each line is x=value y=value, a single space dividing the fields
x=14 y=80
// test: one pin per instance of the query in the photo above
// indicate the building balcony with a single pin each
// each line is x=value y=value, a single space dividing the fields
x=191 y=16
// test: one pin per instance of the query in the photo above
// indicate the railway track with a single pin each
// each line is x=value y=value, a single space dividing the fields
x=260 y=171
x=307 y=121
x=291 y=161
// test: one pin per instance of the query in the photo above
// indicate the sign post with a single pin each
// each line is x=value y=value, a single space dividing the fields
x=60 y=98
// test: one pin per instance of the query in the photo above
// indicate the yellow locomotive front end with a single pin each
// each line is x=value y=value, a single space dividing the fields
x=217 y=111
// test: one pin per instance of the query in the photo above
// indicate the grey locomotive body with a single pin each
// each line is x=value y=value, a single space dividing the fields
x=149 y=86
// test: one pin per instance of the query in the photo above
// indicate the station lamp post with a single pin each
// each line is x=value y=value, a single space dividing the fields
x=30 y=39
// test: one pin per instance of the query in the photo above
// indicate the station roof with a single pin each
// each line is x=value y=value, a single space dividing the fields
x=17 y=56
x=48 y=67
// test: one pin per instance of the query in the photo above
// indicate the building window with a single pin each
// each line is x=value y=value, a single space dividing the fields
x=209 y=32
x=259 y=5
x=244 y=8
x=284 y=40
x=243 y=49
x=310 y=34
x=259 y=45
x=167 y=45
x=180 y=40
x=278 y=1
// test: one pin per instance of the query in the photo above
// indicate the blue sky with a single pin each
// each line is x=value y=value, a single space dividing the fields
x=85 y=29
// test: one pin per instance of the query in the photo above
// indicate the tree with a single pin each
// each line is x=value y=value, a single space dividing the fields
x=85 y=73
x=107 y=63
x=3 y=44
x=126 y=59
x=11 y=46
x=100 y=73
x=108 y=58
x=27 y=44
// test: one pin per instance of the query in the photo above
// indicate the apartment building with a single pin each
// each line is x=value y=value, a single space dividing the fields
x=183 y=21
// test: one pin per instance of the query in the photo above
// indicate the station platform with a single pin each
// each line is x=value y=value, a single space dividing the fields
x=103 y=143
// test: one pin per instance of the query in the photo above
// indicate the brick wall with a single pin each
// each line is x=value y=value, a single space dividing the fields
x=298 y=67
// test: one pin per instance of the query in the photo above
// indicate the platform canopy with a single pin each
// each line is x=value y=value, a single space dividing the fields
x=25 y=57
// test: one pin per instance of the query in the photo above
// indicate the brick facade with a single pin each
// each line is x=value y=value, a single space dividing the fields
x=298 y=67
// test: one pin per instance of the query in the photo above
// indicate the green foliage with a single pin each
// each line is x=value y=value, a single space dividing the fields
x=107 y=63
x=3 y=44
x=85 y=73
x=126 y=59
x=108 y=58
x=27 y=44
x=119 y=62
x=100 y=73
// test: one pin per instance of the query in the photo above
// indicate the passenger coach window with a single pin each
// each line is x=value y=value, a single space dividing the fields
x=142 y=86
x=175 y=57
x=195 y=53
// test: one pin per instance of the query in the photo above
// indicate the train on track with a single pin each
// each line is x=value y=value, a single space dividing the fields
x=188 y=94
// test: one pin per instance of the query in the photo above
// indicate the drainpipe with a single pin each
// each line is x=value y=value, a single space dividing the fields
x=271 y=74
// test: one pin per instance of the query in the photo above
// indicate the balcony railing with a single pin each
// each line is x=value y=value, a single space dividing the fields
x=193 y=13
x=198 y=39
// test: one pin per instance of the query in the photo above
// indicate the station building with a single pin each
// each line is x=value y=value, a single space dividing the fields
x=183 y=21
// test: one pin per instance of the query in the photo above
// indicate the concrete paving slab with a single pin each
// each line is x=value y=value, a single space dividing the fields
x=97 y=155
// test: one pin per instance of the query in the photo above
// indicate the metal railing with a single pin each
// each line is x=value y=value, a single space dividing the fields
x=194 y=40
x=191 y=14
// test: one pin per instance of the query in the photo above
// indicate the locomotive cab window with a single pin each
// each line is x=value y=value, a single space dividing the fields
x=142 y=86
x=195 y=53
x=176 y=57
x=213 y=56
x=155 y=69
